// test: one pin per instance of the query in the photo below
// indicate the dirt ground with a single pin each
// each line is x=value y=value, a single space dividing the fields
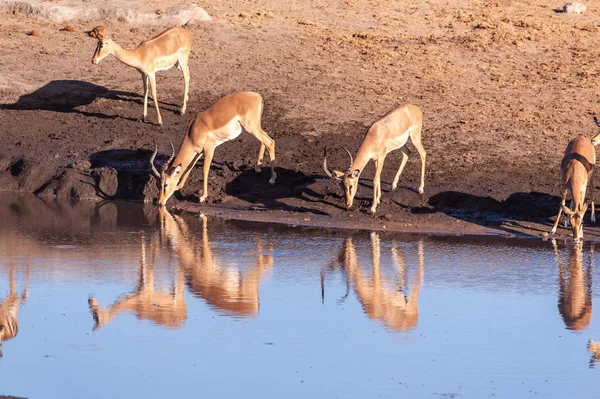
x=504 y=85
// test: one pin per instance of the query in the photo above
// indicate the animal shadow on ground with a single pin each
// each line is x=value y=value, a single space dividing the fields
x=489 y=212
x=255 y=188
x=122 y=174
x=68 y=95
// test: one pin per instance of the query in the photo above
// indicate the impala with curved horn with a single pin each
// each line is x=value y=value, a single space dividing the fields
x=169 y=48
x=222 y=122
x=384 y=136
x=577 y=169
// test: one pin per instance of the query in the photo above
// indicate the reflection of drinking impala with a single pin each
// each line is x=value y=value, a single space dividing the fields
x=231 y=290
x=575 y=283
x=165 y=308
x=381 y=299
x=9 y=322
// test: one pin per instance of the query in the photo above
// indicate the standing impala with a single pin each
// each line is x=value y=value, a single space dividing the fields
x=384 y=136
x=577 y=168
x=222 y=122
x=168 y=49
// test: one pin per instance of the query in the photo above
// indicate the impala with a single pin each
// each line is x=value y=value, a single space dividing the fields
x=596 y=139
x=165 y=308
x=575 y=288
x=169 y=48
x=577 y=169
x=222 y=122
x=229 y=289
x=9 y=322
x=383 y=300
x=384 y=136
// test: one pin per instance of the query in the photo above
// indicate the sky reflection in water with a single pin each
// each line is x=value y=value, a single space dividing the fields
x=120 y=300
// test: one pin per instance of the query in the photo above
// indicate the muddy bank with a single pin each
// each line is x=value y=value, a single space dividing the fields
x=504 y=86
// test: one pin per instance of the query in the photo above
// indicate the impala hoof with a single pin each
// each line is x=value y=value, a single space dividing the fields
x=272 y=181
x=593 y=219
x=552 y=231
x=257 y=169
x=394 y=186
x=421 y=191
x=373 y=210
x=202 y=199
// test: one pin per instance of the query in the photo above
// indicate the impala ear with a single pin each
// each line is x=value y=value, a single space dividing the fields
x=176 y=171
x=97 y=33
x=355 y=173
x=338 y=173
x=585 y=207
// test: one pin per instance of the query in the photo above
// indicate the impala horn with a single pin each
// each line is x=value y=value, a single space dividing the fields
x=154 y=171
x=350 y=155
x=326 y=169
x=172 y=155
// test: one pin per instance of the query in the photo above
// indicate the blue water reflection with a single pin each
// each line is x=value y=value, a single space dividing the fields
x=121 y=300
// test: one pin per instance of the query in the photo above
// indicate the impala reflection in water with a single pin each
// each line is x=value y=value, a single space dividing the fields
x=506 y=318
x=575 y=287
x=228 y=289
x=164 y=308
x=382 y=300
x=9 y=319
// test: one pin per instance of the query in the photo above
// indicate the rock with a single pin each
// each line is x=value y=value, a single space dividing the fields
x=574 y=8
x=80 y=164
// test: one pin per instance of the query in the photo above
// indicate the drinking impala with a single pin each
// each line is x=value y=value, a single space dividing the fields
x=384 y=136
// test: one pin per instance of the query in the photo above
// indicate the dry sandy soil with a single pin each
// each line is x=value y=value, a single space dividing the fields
x=504 y=85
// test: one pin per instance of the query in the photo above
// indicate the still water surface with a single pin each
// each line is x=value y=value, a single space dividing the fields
x=118 y=300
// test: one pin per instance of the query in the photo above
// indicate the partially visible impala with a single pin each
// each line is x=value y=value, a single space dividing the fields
x=9 y=321
x=169 y=48
x=577 y=170
x=165 y=308
x=384 y=136
x=383 y=300
x=222 y=122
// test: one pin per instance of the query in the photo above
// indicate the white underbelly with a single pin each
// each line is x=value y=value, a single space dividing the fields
x=229 y=132
x=398 y=143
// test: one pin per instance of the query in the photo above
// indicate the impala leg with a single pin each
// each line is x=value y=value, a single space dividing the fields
x=208 y=156
x=416 y=139
x=153 y=86
x=186 y=77
x=261 y=154
x=405 y=154
x=145 y=80
x=562 y=202
x=265 y=142
x=189 y=170
x=593 y=218
x=377 y=184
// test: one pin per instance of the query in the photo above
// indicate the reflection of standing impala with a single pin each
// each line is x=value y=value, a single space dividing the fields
x=228 y=289
x=384 y=136
x=221 y=122
x=165 y=308
x=381 y=300
x=168 y=49
x=575 y=282
x=9 y=322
